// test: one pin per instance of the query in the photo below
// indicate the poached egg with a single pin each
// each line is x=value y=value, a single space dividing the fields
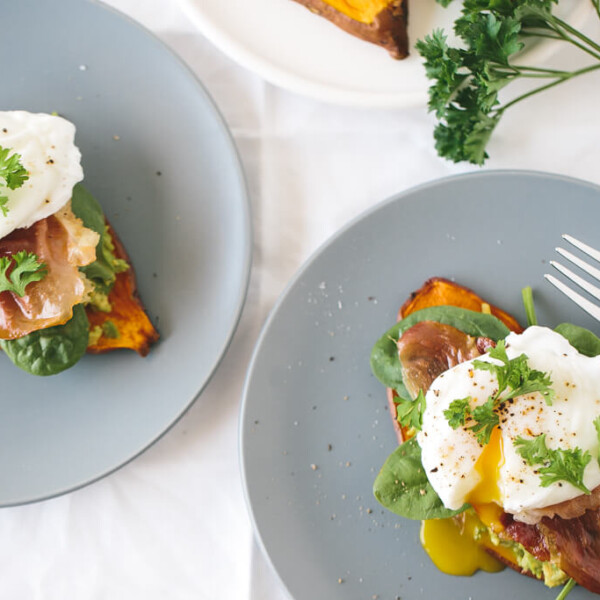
x=46 y=146
x=493 y=475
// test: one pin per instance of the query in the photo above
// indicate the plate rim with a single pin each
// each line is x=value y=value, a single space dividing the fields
x=242 y=289
x=244 y=426
x=335 y=95
x=295 y=83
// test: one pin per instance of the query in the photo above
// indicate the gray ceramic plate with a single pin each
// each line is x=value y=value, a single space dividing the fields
x=315 y=429
x=159 y=158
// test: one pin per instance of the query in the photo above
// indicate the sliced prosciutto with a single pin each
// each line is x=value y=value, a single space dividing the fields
x=63 y=244
x=573 y=544
x=429 y=348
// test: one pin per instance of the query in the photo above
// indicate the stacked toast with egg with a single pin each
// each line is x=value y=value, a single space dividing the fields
x=495 y=499
x=66 y=285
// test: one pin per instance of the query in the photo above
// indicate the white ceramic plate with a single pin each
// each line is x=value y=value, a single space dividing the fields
x=289 y=46
x=315 y=425
x=158 y=157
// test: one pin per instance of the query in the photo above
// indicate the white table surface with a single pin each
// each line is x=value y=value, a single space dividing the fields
x=174 y=524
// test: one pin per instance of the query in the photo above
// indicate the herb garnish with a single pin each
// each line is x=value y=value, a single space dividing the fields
x=26 y=269
x=597 y=426
x=515 y=378
x=558 y=465
x=13 y=173
x=410 y=412
x=457 y=412
x=516 y=374
x=467 y=80
x=486 y=419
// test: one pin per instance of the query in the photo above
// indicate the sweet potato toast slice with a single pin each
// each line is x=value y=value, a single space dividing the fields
x=438 y=291
x=387 y=27
x=135 y=330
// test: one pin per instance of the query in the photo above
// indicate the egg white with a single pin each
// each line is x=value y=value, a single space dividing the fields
x=449 y=455
x=53 y=162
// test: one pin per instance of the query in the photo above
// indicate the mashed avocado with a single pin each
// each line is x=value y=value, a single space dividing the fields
x=546 y=571
x=107 y=329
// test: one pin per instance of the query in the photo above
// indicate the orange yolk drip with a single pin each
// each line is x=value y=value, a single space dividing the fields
x=363 y=11
x=485 y=497
x=453 y=549
x=451 y=543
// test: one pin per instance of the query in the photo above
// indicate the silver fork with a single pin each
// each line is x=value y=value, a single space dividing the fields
x=584 y=303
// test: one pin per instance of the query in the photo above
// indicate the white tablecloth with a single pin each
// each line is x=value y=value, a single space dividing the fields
x=173 y=524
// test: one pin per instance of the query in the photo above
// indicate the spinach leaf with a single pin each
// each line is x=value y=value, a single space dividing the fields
x=384 y=356
x=87 y=208
x=583 y=340
x=102 y=272
x=402 y=486
x=52 y=350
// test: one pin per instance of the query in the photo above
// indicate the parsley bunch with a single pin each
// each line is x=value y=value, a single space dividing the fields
x=467 y=80
x=13 y=173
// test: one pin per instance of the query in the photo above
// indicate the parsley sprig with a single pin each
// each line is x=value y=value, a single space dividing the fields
x=12 y=172
x=458 y=412
x=467 y=80
x=558 y=465
x=596 y=422
x=410 y=412
x=19 y=270
x=515 y=378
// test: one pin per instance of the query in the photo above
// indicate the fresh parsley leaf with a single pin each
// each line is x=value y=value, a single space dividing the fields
x=11 y=169
x=557 y=465
x=534 y=451
x=410 y=412
x=467 y=79
x=19 y=270
x=457 y=412
x=597 y=426
x=566 y=465
x=12 y=172
x=485 y=419
x=516 y=376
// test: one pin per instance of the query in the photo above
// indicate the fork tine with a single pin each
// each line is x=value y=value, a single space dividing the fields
x=595 y=273
x=582 y=283
x=595 y=254
x=582 y=302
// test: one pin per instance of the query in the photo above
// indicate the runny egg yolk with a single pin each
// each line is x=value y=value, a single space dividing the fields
x=485 y=497
x=451 y=543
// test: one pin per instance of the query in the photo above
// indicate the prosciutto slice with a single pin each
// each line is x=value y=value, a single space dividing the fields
x=573 y=544
x=429 y=348
x=63 y=244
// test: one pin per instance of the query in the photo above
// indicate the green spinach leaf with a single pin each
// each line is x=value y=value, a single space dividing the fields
x=402 y=486
x=102 y=272
x=52 y=350
x=384 y=356
x=583 y=340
